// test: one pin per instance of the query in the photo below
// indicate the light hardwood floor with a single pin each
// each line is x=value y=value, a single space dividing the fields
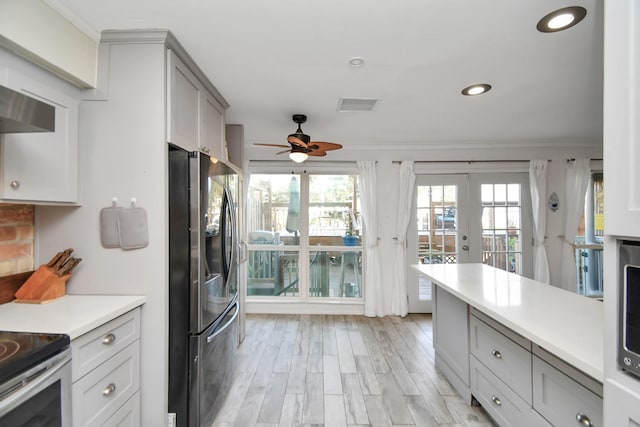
x=315 y=370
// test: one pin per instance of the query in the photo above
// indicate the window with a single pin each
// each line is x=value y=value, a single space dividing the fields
x=304 y=236
x=589 y=240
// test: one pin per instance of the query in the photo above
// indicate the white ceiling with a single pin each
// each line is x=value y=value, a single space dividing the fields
x=271 y=59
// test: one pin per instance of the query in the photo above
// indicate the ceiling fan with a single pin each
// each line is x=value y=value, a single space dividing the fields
x=300 y=145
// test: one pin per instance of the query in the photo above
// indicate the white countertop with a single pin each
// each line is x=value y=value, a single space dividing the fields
x=73 y=315
x=563 y=323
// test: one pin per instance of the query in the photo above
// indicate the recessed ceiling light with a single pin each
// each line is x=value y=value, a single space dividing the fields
x=477 y=89
x=561 y=19
x=356 y=62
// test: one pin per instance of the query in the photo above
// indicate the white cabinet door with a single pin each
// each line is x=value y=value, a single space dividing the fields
x=43 y=167
x=213 y=136
x=184 y=105
x=621 y=406
x=621 y=118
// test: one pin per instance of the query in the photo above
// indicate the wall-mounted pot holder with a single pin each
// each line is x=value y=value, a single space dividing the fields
x=109 y=226
x=124 y=228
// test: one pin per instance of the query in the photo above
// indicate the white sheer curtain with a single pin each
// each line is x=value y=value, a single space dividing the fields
x=406 y=184
x=373 y=291
x=538 y=186
x=577 y=180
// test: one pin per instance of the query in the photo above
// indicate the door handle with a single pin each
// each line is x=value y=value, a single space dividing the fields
x=465 y=247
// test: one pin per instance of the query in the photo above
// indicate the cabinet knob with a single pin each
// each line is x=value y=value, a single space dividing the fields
x=583 y=420
x=496 y=354
x=108 y=339
x=109 y=390
x=495 y=399
x=15 y=184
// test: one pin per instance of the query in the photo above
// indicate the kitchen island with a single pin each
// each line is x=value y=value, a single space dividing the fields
x=520 y=347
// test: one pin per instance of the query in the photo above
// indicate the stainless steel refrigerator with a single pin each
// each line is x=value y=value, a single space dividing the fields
x=203 y=276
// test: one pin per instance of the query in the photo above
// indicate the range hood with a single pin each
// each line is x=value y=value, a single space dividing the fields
x=20 y=113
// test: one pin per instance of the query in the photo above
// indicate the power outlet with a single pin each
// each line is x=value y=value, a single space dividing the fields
x=171 y=420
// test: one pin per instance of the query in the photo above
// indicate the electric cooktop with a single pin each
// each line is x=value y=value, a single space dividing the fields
x=22 y=350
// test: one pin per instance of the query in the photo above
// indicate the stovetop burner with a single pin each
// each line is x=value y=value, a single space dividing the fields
x=21 y=350
x=8 y=348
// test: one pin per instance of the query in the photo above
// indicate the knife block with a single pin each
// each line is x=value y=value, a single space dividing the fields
x=43 y=286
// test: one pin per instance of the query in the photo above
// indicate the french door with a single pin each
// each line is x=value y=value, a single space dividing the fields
x=462 y=218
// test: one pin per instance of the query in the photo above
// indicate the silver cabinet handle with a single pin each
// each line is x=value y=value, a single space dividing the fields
x=583 y=420
x=496 y=400
x=109 y=390
x=496 y=354
x=108 y=339
x=15 y=184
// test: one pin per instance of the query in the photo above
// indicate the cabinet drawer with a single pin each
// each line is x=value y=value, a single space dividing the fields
x=502 y=356
x=502 y=403
x=98 y=395
x=561 y=400
x=98 y=345
x=128 y=415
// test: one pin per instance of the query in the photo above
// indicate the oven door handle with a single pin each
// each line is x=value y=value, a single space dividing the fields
x=223 y=328
x=32 y=382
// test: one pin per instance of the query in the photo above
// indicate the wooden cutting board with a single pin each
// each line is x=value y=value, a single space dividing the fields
x=10 y=284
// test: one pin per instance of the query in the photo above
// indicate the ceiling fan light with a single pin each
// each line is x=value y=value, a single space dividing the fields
x=298 y=156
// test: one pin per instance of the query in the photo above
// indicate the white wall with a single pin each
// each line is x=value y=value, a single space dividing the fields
x=123 y=154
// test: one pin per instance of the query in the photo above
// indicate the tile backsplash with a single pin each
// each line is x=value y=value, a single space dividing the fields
x=16 y=238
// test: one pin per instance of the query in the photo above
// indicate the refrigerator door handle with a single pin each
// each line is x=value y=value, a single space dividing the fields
x=232 y=216
x=222 y=329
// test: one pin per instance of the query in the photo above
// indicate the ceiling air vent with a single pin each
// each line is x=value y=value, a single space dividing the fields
x=356 y=104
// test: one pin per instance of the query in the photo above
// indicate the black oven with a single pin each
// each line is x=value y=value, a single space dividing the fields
x=629 y=304
x=35 y=380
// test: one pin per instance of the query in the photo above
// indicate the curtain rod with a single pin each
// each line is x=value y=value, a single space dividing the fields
x=482 y=161
x=465 y=161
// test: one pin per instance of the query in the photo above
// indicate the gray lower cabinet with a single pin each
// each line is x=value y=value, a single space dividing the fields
x=451 y=340
x=504 y=405
x=105 y=369
x=518 y=383
x=561 y=394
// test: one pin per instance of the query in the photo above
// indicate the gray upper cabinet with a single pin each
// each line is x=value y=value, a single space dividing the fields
x=40 y=168
x=184 y=99
x=213 y=128
x=195 y=119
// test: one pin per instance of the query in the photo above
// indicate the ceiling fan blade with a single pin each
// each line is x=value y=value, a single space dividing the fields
x=317 y=153
x=284 y=151
x=296 y=141
x=323 y=146
x=272 y=145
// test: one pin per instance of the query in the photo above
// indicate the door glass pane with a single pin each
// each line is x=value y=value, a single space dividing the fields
x=437 y=217
x=501 y=226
